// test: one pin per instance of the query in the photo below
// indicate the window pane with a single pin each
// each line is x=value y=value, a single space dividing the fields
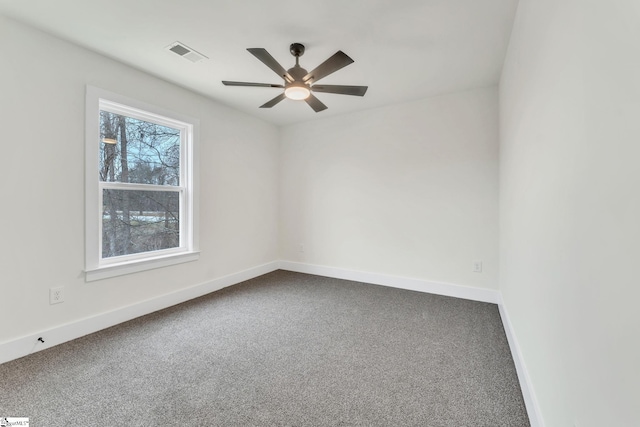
x=135 y=221
x=136 y=151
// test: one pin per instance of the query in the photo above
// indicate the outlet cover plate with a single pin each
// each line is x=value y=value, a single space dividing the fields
x=477 y=266
x=56 y=295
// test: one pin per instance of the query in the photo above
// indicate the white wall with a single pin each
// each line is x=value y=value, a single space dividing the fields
x=570 y=206
x=408 y=190
x=42 y=174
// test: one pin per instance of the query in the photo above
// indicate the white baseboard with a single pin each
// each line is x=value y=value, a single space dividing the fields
x=446 y=289
x=528 y=393
x=14 y=349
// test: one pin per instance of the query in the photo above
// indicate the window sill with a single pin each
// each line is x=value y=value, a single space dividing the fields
x=137 y=266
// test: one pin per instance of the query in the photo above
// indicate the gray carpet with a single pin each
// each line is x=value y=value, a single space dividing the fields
x=284 y=349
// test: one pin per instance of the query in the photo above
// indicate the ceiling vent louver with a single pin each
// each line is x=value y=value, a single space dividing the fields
x=186 y=52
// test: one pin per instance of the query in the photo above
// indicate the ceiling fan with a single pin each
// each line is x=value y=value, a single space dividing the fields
x=298 y=83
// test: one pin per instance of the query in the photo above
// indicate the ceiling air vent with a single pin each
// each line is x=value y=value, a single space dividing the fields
x=186 y=52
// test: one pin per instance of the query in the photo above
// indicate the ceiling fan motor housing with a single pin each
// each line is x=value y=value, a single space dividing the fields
x=297 y=89
x=297 y=72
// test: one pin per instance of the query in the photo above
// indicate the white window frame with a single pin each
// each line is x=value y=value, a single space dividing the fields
x=96 y=267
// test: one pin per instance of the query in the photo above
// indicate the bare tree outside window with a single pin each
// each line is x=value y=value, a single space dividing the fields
x=136 y=219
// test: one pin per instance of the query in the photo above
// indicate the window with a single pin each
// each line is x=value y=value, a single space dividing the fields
x=140 y=186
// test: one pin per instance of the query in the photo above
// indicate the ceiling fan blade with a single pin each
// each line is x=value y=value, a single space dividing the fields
x=270 y=62
x=273 y=102
x=331 y=65
x=341 y=90
x=315 y=103
x=228 y=83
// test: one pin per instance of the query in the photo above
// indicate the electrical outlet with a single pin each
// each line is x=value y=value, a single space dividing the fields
x=477 y=266
x=56 y=295
x=301 y=247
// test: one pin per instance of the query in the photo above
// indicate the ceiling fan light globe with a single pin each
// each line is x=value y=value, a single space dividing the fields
x=297 y=93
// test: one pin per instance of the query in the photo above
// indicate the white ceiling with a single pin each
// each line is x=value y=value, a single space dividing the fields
x=403 y=49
